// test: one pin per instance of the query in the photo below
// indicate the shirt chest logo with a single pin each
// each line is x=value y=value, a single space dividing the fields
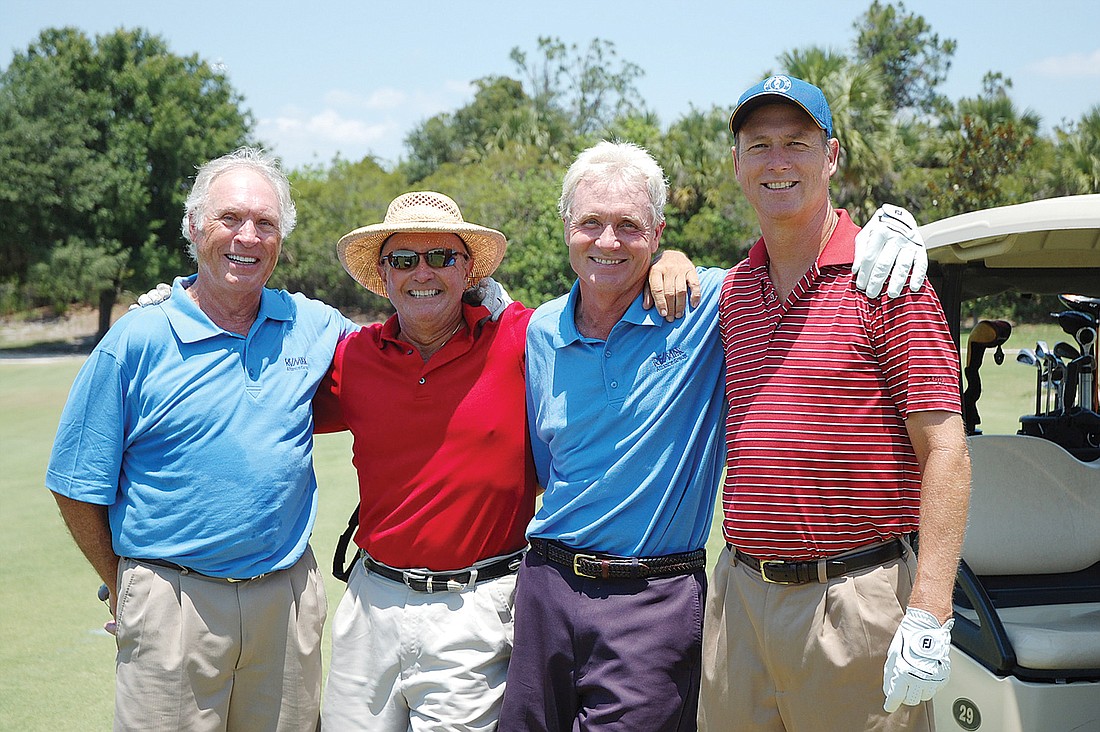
x=296 y=363
x=662 y=361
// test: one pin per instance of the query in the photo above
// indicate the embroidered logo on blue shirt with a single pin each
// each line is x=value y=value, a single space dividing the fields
x=662 y=361
x=295 y=363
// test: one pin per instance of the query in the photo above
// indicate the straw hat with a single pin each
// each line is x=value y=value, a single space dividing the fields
x=420 y=211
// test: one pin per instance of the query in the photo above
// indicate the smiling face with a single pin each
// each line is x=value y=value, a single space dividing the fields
x=611 y=238
x=784 y=163
x=425 y=297
x=239 y=243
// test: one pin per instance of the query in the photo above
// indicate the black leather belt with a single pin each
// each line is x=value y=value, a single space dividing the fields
x=187 y=570
x=423 y=580
x=594 y=565
x=799 y=573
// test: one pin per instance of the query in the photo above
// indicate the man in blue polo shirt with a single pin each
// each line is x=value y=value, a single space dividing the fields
x=609 y=598
x=183 y=468
x=625 y=412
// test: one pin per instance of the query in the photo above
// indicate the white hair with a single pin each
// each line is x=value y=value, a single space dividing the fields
x=246 y=158
x=623 y=161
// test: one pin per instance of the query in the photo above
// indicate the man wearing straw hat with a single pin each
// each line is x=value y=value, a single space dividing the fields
x=434 y=398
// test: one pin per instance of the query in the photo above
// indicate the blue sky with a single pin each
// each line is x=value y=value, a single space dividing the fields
x=354 y=77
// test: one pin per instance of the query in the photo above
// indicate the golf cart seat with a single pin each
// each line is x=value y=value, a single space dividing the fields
x=1028 y=603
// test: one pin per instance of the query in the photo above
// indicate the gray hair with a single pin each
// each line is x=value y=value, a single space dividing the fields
x=247 y=158
x=623 y=161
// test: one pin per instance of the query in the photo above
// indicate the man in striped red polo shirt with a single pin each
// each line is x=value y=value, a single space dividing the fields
x=843 y=438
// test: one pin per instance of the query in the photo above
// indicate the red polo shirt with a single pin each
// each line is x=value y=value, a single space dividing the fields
x=440 y=447
x=819 y=386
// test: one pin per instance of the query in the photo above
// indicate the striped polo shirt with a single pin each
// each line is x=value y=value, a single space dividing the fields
x=819 y=461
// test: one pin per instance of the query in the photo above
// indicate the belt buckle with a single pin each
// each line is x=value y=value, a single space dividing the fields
x=576 y=565
x=764 y=563
x=408 y=577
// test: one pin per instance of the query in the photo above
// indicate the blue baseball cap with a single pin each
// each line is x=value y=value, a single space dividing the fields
x=786 y=89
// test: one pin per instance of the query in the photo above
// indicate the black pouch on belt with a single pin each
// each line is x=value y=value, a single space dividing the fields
x=341 y=568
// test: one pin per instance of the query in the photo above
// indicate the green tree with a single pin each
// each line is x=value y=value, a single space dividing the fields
x=989 y=160
x=516 y=191
x=571 y=95
x=707 y=217
x=591 y=86
x=331 y=202
x=107 y=134
x=911 y=60
x=862 y=122
x=1076 y=167
x=500 y=116
x=988 y=146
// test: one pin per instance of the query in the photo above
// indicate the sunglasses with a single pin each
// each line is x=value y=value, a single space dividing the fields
x=436 y=258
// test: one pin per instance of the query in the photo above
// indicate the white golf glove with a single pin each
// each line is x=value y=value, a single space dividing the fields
x=491 y=294
x=890 y=246
x=918 y=663
x=157 y=295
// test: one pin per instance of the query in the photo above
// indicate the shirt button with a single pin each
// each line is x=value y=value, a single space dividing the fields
x=408 y=353
x=422 y=379
x=252 y=373
x=614 y=385
x=607 y=354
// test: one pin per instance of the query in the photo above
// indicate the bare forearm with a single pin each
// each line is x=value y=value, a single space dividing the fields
x=945 y=500
x=91 y=530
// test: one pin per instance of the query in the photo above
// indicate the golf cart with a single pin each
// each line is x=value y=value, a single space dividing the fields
x=1025 y=650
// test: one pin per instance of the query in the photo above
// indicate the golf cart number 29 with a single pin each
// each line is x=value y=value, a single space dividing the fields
x=966 y=714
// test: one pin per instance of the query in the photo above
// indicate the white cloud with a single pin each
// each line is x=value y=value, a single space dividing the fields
x=386 y=99
x=300 y=137
x=1071 y=65
x=354 y=125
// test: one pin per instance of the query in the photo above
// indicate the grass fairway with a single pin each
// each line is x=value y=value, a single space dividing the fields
x=57 y=664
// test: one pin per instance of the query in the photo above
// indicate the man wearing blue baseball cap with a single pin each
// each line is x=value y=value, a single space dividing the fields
x=843 y=438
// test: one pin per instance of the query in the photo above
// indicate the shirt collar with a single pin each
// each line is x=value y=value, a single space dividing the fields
x=191 y=324
x=567 y=321
x=839 y=250
x=472 y=314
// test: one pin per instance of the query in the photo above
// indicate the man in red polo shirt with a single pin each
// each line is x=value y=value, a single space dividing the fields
x=434 y=398
x=843 y=438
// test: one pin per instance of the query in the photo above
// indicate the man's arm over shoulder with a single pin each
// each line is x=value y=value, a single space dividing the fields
x=328 y=411
x=889 y=246
x=671 y=277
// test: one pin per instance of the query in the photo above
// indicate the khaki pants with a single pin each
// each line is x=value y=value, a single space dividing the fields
x=803 y=658
x=418 y=662
x=197 y=654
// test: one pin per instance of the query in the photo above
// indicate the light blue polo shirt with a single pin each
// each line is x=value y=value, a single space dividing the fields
x=627 y=434
x=200 y=441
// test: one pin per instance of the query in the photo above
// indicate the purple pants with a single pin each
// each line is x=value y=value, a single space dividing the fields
x=603 y=654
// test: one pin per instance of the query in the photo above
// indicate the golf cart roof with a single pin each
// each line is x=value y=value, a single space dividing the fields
x=1049 y=246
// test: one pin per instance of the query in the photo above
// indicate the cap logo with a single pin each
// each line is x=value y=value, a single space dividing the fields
x=781 y=84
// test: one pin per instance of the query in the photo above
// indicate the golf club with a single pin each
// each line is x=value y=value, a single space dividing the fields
x=1084 y=303
x=1057 y=382
x=1027 y=357
x=1046 y=363
x=1065 y=397
x=1087 y=390
x=1065 y=351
